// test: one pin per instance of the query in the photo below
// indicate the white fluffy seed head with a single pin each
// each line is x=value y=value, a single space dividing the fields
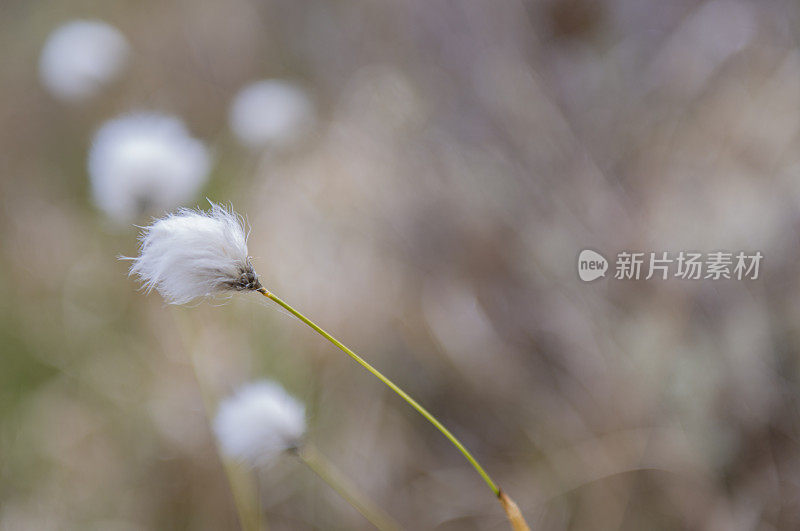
x=271 y=113
x=80 y=57
x=195 y=254
x=145 y=162
x=258 y=423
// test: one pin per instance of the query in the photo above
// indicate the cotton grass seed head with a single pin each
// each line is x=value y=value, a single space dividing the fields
x=195 y=254
x=258 y=423
x=145 y=162
x=80 y=57
x=271 y=113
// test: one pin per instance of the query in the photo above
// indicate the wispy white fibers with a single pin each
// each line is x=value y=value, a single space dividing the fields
x=80 y=57
x=194 y=254
x=271 y=113
x=145 y=162
x=258 y=423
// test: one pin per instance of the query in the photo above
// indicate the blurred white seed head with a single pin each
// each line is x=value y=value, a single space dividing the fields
x=271 y=113
x=258 y=423
x=80 y=57
x=145 y=162
x=195 y=254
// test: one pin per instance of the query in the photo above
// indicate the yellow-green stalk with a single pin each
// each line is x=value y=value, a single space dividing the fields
x=511 y=509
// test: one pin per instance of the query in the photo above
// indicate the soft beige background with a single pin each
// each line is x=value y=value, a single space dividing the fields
x=466 y=152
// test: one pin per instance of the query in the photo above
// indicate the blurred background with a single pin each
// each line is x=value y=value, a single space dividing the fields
x=425 y=201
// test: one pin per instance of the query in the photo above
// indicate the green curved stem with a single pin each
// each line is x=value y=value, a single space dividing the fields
x=413 y=403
